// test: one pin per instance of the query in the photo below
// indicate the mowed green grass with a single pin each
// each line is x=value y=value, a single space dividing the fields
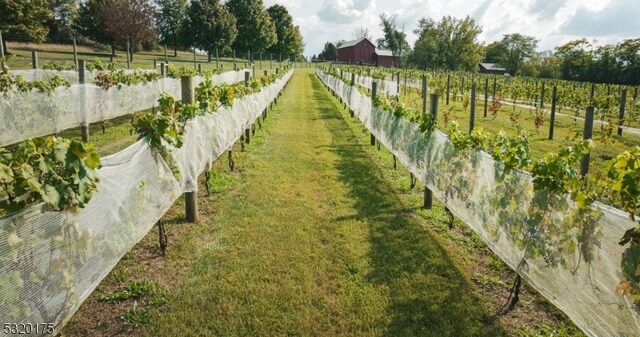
x=314 y=241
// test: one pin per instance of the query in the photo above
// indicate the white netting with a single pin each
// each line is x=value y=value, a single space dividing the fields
x=25 y=115
x=50 y=262
x=386 y=87
x=509 y=215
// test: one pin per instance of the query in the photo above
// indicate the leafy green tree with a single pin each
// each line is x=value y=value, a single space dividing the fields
x=23 y=20
x=63 y=12
x=575 y=60
x=87 y=23
x=628 y=55
x=256 y=30
x=210 y=26
x=329 y=53
x=516 y=48
x=289 y=39
x=117 y=22
x=493 y=52
x=448 y=44
x=171 y=17
x=394 y=39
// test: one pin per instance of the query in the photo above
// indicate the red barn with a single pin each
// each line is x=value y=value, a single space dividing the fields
x=384 y=58
x=362 y=51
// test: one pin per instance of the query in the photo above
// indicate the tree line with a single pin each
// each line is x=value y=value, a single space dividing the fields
x=245 y=26
x=452 y=44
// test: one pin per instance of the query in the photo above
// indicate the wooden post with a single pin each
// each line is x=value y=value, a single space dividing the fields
x=162 y=70
x=75 y=53
x=247 y=132
x=128 y=56
x=84 y=124
x=353 y=83
x=261 y=60
x=194 y=58
x=166 y=59
x=374 y=90
x=433 y=109
x=199 y=69
x=217 y=59
x=542 y=97
x=398 y=86
x=234 y=59
x=554 y=100
x=1 y=46
x=486 y=96
x=424 y=93
x=473 y=108
x=34 y=59
x=190 y=198
x=448 y=86
x=623 y=103
x=155 y=64
x=494 y=87
x=588 y=132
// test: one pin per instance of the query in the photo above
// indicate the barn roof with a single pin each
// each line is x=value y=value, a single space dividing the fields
x=351 y=43
x=383 y=52
x=492 y=67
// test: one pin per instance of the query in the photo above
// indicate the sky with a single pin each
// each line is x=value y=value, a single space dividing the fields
x=552 y=22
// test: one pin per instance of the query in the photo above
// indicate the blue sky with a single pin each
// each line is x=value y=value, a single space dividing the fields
x=553 y=22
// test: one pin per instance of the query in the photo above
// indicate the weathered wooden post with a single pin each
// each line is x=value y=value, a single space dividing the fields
x=75 y=53
x=428 y=194
x=155 y=64
x=374 y=90
x=472 y=118
x=128 y=56
x=486 y=96
x=34 y=59
x=623 y=103
x=554 y=100
x=1 y=46
x=190 y=198
x=542 y=97
x=162 y=70
x=353 y=83
x=84 y=124
x=588 y=132
x=199 y=69
x=247 y=132
x=448 y=87
x=166 y=58
x=194 y=59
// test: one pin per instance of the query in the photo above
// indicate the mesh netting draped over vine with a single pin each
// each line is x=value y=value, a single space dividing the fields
x=25 y=115
x=50 y=262
x=571 y=256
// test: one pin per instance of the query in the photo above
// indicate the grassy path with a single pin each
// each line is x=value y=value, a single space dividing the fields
x=314 y=241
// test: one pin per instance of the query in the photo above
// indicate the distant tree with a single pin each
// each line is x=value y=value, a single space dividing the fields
x=628 y=55
x=544 y=64
x=448 y=44
x=289 y=39
x=494 y=52
x=575 y=60
x=63 y=12
x=210 y=26
x=361 y=33
x=23 y=20
x=515 y=49
x=329 y=53
x=256 y=30
x=87 y=23
x=394 y=39
x=313 y=58
x=117 y=22
x=171 y=17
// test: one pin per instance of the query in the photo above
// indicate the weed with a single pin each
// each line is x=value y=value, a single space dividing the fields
x=136 y=317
